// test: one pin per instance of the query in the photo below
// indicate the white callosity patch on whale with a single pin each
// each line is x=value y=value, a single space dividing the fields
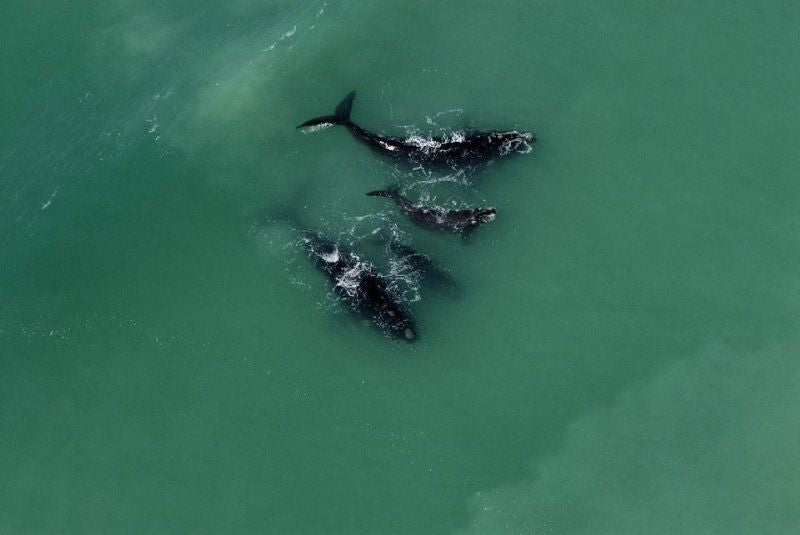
x=515 y=142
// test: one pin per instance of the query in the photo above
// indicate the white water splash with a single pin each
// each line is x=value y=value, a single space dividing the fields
x=432 y=120
x=49 y=201
x=153 y=125
x=331 y=257
x=283 y=37
x=351 y=278
x=519 y=144
x=316 y=128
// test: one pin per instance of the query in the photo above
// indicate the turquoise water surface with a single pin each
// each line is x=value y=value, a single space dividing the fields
x=619 y=350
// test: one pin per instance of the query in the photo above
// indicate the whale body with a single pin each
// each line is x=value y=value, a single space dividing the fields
x=457 y=148
x=462 y=221
x=359 y=286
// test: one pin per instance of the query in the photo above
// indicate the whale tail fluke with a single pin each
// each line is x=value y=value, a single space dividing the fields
x=340 y=116
x=344 y=108
x=390 y=192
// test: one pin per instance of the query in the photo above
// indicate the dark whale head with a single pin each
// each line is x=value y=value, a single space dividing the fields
x=485 y=215
x=402 y=328
x=386 y=309
x=512 y=141
x=515 y=135
x=360 y=286
x=322 y=251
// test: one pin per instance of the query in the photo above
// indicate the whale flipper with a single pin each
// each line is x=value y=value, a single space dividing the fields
x=340 y=116
x=390 y=192
x=379 y=193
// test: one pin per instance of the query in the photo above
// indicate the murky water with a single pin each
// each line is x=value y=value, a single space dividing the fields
x=616 y=353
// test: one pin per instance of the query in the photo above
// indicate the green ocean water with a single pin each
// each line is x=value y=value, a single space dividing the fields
x=622 y=355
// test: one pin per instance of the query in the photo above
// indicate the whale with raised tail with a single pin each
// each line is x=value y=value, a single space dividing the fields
x=458 y=148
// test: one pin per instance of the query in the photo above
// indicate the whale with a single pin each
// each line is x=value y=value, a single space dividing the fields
x=462 y=221
x=359 y=286
x=424 y=265
x=455 y=149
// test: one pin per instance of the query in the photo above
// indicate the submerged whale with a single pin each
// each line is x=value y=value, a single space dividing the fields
x=462 y=221
x=360 y=286
x=424 y=265
x=452 y=150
